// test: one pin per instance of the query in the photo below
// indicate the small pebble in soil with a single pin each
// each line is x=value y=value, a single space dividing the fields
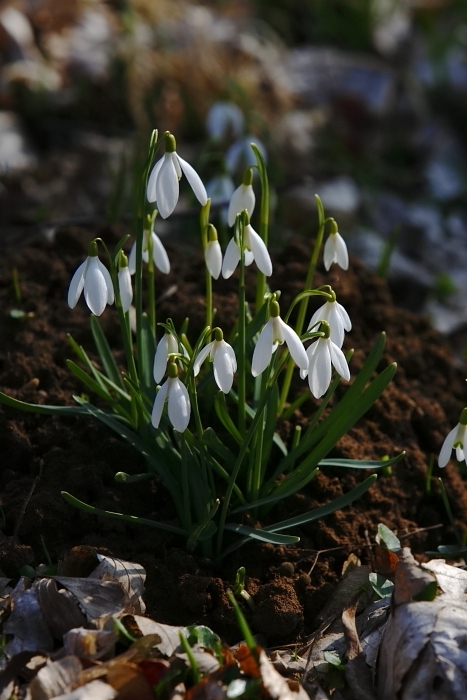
x=287 y=569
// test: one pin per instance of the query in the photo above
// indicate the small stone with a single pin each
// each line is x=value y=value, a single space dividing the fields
x=287 y=569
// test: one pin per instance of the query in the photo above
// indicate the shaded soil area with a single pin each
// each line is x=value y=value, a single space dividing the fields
x=290 y=585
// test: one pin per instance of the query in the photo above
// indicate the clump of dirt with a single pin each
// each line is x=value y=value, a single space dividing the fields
x=290 y=585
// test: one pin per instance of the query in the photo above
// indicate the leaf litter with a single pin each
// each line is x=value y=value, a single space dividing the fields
x=397 y=632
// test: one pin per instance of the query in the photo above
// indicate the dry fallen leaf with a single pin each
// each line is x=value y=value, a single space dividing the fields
x=131 y=577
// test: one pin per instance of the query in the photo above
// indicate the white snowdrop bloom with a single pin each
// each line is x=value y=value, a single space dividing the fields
x=163 y=188
x=335 y=249
x=166 y=346
x=94 y=278
x=124 y=283
x=255 y=249
x=275 y=333
x=322 y=355
x=179 y=408
x=222 y=356
x=240 y=155
x=213 y=253
x=337 y=317
x=242 y=198
x=456 y=440
x=224 y=120
x=159 y=254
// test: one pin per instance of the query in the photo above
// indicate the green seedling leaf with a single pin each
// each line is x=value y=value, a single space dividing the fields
x=206 y=638
x=20 y=314
x=261 y=535
x=191 y=658
x=39 y=408
x=428 y=593
x=123 y=478
x=388 y=539
x=244 y=627
x=223 y=415
x=333 y=658
x=360 y=464
x=380 y=584
x=251 y=412
x=205 y=529
x=278 y=494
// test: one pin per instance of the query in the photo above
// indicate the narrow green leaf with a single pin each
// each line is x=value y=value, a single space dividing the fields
x=277 y=495
x=360 y=463
x=251 y=412
x=89 y=381
x=39 y=408
x=147 y=356
x=223 y=415
x=388 y=538
x=121 y=516
x=105 y=353
x=261 y=535
x=211 y=441
x=329 y=508
x=206 y=527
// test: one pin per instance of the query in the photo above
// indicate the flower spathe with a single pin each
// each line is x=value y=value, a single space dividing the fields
x=159 y=253
x=223 y=358
x=337 y=317
x=179 y=408
x=456 y=440
x=94 y=278
x=323 y=354
x=275 y=333
x=255 y=249
x=335 y=249
x=163 y=183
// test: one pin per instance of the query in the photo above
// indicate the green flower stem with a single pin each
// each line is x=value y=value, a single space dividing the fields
x=207 y=474
x=151 y=278
x=255 y=479
x=241 y=356
x=304 y=303
x=204 y=222
x=243 y=451
x=263 y=222
x=139 y=223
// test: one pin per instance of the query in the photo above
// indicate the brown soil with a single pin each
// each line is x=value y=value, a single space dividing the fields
x=290 y=584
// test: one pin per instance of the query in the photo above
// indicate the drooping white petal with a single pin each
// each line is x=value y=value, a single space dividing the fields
x=295 y=345
x=263 y=350
x=342 y=256
x=108 y=281
x=338 y=360
x=132 y=259
x=319 y=370
x=446 y=449
x=202 y=355
x=459 y=454
x=347 y=323
x=320 y=314
x=151 y=188
x=95 y=287
x=159 y=404
x=167 y=189
x=224 y=366
x=126 y=290
x=231 y=259
x=195 y=181
x=159 y=255
x=329 y=251
x=213 y=258
x=259 y=250
x=160 y=358
x=336 y=324
x=249 y=257
x=179 y=405
x=242 y=198
x=76 y=285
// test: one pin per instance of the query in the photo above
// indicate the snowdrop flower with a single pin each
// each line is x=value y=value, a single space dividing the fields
x=254 y=249
x=124 y=282
x=163 y=186
x=337 y=317
x=166 y=346
x=224 y=119
x=213 y=253
x=94 y=278
x=242 y=198
x=222 y=356
x=275 y=333
x=179 y=407
x=240 y=155
x=159 y=253
x=335 y=250
x=321 y=355
x=456 y=440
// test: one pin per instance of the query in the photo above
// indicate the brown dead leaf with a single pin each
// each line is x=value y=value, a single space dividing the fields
x=59 y=608
x=98 y=599
x=169 y=634
x=357 y=672
x=276 y=685
x=130 y=681
x=385 y=560
x=89 y=644
x=410 y=578
x=247 y=662
x=130 y=576
x=56 y=678
x=26 y=623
